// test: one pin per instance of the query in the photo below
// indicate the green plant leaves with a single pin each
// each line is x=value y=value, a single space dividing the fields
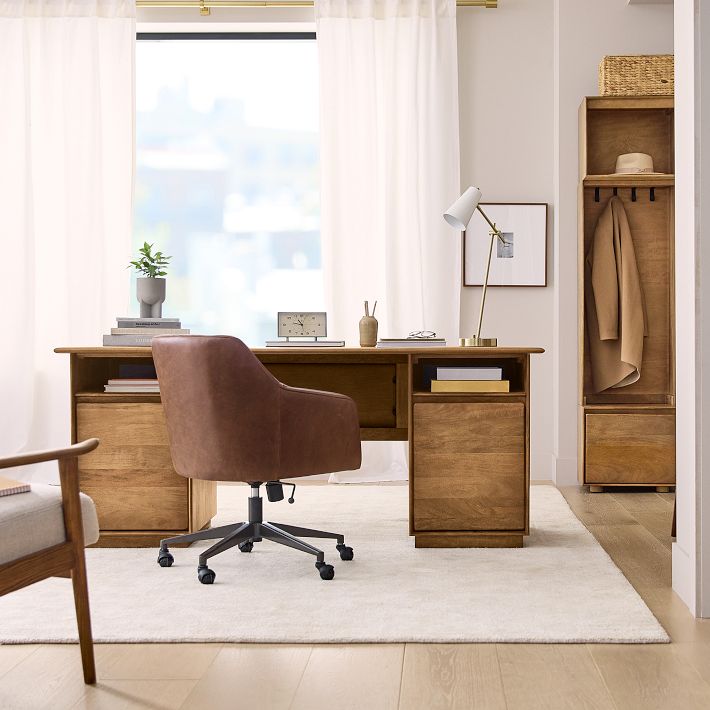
x=149 y=264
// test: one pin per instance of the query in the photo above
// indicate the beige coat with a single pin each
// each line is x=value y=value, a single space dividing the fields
x=616 y=313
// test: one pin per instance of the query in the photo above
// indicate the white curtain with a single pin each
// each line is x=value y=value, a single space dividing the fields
x=389 y=168
x=66 y=180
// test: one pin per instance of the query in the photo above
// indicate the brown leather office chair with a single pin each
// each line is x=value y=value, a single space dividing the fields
x=229 y=419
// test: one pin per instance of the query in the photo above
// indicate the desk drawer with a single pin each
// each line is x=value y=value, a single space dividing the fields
x=469 y=466
x=130 y=476
x=371 y=386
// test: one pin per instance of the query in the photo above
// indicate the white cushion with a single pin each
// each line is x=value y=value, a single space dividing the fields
x=30 y=522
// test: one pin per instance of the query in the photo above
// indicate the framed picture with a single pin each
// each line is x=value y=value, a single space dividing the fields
x=522 y=259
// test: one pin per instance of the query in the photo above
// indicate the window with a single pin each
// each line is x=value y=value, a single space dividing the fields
x=227 y=177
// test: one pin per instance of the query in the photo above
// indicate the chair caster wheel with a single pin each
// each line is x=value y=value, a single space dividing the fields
x=247 y=546
x=326 y=571
x=165 y=559
x=346 y=553
x=205 y=575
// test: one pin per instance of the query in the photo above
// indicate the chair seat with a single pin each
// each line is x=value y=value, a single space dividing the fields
x=30 y=522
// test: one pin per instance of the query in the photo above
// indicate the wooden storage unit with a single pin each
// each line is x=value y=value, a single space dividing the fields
x=627 y=434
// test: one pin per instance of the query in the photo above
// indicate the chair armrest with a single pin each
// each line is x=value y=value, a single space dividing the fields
x=69 y=479
x=320 y=432
x=31 y=457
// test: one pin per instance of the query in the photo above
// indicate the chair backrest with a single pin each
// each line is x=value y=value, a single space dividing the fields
x=221 y=407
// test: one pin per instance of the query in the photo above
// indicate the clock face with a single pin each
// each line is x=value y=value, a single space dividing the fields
x=296 y=325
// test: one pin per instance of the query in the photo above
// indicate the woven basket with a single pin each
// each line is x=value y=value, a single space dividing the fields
x=643 y=75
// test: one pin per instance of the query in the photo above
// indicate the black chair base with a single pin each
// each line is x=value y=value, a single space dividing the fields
x=245 y=534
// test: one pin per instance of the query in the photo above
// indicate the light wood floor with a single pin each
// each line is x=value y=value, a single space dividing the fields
x=632 y=527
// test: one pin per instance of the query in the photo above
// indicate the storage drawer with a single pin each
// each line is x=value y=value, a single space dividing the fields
x=469 y=466
x=630 y=448
x=130 y=476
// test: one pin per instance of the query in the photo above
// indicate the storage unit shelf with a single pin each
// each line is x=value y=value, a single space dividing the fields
x=624 y=181
x=629 y=399
x=425 y=396
x=117 y=397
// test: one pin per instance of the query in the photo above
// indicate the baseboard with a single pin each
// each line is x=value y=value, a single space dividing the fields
x=565 y=472
x=684 y=578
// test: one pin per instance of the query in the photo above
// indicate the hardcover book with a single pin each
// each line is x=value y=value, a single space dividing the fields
x=128 y=322
x=149 y=331
x=128 y=340
x=411 y=342
x=469 y=373
x=470 y=385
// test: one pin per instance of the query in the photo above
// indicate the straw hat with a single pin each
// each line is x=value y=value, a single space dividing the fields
x=635 y=163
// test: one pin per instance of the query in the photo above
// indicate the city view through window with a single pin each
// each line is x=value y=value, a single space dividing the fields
x=227 y=179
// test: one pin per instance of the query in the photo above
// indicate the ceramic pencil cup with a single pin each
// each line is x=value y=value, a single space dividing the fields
x=368 y=332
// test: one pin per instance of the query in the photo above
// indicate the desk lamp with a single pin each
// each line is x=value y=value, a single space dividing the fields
x=458 y=216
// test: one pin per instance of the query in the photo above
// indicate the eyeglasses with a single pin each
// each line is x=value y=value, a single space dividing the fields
x=422 y=334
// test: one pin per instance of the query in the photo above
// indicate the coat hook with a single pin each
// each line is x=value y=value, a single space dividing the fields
x=652 y=192
x=633 y=194
x=596 y=194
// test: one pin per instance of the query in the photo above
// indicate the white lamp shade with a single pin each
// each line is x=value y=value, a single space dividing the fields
x=460 y=213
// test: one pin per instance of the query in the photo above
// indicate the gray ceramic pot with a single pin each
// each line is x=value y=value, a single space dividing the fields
x=151 y=294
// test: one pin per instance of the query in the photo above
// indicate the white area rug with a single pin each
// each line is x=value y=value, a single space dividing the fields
x=561 y=587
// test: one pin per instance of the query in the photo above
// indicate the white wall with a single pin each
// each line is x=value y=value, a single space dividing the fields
x=506 y=125
x=691 y=551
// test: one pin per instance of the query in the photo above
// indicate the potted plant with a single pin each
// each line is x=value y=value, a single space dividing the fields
x=150 y=286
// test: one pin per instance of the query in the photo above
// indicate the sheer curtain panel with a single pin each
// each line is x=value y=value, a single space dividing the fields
x=66 y=179
x=389 y=168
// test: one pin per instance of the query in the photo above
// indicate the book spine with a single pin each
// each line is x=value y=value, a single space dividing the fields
x=146 y=323
x=469 y=373
x=13 y=491
x=127 y=340
x=409 y=344
x=149 y=331
x=470 y=385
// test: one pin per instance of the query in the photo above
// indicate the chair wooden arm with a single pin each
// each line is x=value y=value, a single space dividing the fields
x=31 y=457
x=64 y=559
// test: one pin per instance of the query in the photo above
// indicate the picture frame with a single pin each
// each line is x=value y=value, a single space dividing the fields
x=522 y=261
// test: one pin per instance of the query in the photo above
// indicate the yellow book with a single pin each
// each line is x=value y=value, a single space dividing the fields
x=470 y=385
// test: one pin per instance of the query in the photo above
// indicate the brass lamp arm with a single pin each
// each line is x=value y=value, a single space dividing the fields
x=492 y=225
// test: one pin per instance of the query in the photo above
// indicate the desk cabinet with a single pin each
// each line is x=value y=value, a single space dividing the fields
x=469 y=456
x=469 y=453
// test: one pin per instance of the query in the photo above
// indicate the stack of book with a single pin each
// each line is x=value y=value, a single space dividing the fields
x=410 y=342
x=133 y=332
x=469 y=379
x=132 y=385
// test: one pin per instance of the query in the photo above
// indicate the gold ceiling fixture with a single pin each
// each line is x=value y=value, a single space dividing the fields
x=204 y=6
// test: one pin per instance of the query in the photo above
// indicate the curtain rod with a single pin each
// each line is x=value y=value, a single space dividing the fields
x=205 y=5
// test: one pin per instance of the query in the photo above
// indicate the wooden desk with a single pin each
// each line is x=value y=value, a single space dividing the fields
x=469 y=454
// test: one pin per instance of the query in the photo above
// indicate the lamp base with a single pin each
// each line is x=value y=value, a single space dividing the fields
x=476 y=342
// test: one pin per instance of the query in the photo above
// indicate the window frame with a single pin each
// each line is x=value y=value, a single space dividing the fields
x=201 y=35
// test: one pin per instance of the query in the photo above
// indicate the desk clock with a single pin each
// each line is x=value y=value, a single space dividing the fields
x=309 y=324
